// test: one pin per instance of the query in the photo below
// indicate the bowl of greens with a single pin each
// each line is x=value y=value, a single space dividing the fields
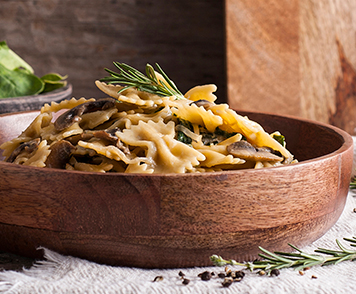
x=21 y=89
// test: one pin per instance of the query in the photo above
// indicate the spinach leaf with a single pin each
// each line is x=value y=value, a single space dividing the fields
x=16 y=83
x=53 y=81
x=17 y=77
x=11 y=60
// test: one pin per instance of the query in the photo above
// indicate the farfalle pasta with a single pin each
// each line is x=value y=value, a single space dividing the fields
x=134 y=131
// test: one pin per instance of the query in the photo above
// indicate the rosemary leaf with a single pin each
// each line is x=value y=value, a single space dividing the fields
x=130 y=77
x=298 y=260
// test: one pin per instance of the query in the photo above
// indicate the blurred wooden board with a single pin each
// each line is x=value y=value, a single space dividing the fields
x=81 y=38
x=293 y=57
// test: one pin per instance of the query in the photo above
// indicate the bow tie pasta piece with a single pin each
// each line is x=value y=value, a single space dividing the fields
x=33 y=131
x=233 y=122
x=204 y=92
x=130 y=96
x=135 y=117
x=111 y=152
x=197 y=115
x=37 y=158
x=93 y=119
x=164 y=154
x=214 y=158
x=64 y=104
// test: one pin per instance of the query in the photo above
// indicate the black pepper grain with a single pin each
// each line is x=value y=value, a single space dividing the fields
x=274 y=272
x=227 y=282
x=239 y=274
x=185 y=281
x=205 y=276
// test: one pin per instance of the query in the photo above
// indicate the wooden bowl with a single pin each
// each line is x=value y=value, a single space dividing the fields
x=34 y=102
x=177 y=220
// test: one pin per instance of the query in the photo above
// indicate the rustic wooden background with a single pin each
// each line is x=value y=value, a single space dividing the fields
x=80 y=38
x=295 y=57
x=291 y=57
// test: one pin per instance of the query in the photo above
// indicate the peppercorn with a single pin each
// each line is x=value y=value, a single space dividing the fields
x=239 y=274
x=274 y=272
x=185 y=281
x=181 y=274
x=222 y=275
x=227 y=282
x=261 y=272
x=205 y=276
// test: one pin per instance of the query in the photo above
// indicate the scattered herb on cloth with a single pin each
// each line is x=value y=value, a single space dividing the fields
x=298 y=260
x=17 y=77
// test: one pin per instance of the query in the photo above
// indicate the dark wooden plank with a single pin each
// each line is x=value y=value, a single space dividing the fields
x=80 y=38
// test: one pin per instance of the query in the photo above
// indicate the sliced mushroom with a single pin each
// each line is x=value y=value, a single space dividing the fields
x=108 y=135
x=29 y=147
x=245 y=150
x=73 y=115
x=60 y=154
x=123 y=147
x=205 y=103
x=85 y=136
x=111 y=137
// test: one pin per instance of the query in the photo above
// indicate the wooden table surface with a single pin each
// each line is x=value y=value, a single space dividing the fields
x=9 y=261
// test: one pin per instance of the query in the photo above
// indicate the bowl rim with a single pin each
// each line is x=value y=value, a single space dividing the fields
x=347 y=144
x=62 y=92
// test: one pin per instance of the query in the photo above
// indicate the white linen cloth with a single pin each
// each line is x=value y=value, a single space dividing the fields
x=66 y=274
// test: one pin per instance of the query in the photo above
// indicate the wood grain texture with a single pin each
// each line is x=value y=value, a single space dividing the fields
x=176 y=220
x=34 y=102
x=81 y=38
x=262 y=55
x=293 y=57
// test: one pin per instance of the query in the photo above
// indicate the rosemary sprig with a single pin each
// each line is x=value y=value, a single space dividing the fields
x=133 y=78
x=298 y=260
x=353 y=183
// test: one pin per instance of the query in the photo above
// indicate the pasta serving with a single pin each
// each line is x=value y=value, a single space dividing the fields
x=137 y=131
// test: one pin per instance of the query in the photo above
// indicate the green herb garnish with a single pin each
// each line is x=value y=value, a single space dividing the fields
x=53 y=81
x=180 y=135
x=280 y=139
x=216 y=137
x=132 y=78
x=353 y=183
x=17 y=77
x=298 y=260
